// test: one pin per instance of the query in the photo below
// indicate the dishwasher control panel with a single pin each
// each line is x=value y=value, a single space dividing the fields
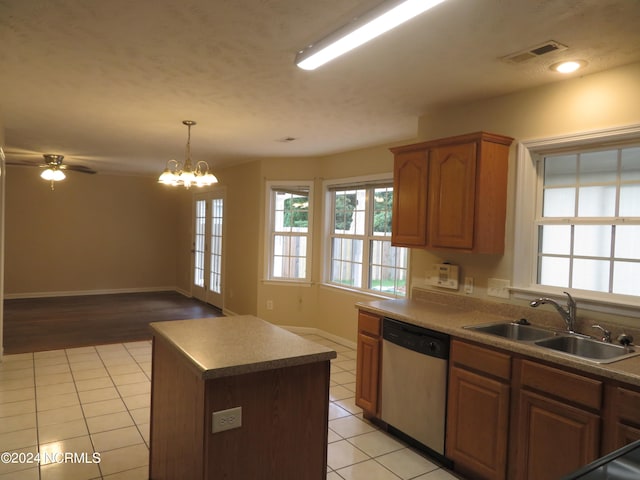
x=418 y=339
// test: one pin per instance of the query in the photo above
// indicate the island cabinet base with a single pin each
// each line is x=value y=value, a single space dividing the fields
x=284 y=421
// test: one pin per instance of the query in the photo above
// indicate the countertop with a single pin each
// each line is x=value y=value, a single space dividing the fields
x=228 y=346
x=438 y=312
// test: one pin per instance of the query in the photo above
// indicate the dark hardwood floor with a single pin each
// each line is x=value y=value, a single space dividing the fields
x=37 y=324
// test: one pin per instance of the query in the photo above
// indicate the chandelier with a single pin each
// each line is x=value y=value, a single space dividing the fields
x=184 y=174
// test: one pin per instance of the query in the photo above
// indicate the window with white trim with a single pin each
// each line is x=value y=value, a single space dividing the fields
x=361 y=254
x=289 y=228
x=578 y=216
x=589 y=220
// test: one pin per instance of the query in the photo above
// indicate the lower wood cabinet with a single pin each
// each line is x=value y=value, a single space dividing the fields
x=516 y=418
x=368 y=363
x=621 y=418
x=554 y=439
x=478 y=411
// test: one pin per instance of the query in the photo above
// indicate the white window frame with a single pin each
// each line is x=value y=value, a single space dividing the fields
x=526 y=235
x=270 y=189
x=328 y=213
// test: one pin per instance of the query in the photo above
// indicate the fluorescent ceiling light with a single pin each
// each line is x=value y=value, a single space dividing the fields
x=372 y=24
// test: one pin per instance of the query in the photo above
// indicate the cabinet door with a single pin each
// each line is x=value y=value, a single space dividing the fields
x=452 y=183
x=367 y=373
x=409 y=221
x=477 y=424
x=622 y=418
x=554 y=439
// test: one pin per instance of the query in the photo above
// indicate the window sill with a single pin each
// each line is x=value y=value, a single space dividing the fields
x=287 y=283
x=356 y=291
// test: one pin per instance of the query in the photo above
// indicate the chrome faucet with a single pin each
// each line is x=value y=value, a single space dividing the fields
x=568 y=314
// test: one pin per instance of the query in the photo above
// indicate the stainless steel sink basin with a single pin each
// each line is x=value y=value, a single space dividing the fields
x=587 y=348
x=513 y=331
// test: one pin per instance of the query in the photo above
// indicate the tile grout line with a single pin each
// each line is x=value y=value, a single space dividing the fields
x=84 y=417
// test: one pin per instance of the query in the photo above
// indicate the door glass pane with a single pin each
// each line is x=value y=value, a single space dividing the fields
x=559 y=202
x=599 y=167
x=199 y=250
x=592 y=240
x=597 y=201
x=555 y=239
x=591 y=274
x=215 y=284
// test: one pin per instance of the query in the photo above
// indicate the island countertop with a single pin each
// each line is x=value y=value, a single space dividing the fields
x=227 y=346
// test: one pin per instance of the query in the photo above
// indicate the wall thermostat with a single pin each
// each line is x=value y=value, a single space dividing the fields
x=443 y=275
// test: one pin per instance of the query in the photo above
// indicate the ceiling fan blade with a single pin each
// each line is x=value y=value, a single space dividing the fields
x=79 y=169
x=24 y=164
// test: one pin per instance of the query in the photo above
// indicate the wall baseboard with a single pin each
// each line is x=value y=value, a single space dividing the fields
x=322 y=333
x=11 y=296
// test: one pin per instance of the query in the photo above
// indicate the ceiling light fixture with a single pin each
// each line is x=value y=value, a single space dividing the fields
x=53 y=172
x=381 y=19
x=568 y=66
x=177 y=174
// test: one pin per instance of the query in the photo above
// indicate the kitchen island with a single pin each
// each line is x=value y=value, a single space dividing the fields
x=264 y=391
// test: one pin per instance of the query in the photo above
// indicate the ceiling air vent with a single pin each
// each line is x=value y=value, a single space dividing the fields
x=534 y=52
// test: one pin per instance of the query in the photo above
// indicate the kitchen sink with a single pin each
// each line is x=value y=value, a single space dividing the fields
x=513 y=331
x=577 y=345
x=587 y=348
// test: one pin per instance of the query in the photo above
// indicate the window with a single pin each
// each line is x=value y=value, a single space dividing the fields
x=589 y=220
x=361 y=255
x=581 y=199
x=289 y=245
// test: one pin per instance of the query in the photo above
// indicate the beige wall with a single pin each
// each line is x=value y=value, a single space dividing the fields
x=105 y=232
x=93 y=233
x=593 y=102
x=588 y=103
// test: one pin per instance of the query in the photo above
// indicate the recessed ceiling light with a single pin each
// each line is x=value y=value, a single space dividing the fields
x=568 y=66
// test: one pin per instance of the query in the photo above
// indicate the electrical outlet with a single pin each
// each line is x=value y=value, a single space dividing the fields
x=498 y=288
x=269 y=304
x=226 y=419
x=468 y=285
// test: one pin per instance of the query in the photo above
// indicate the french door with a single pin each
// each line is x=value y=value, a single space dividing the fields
x=208 y=248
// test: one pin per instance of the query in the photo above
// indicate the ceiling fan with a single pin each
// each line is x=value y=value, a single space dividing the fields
x=54 y=168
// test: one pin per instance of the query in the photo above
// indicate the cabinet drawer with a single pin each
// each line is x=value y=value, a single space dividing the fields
x=568 y=386
x=481 y=359
x=628 y=405
x=369 y=323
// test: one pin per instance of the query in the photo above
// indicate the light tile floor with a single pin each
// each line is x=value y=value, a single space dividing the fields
x=69 y=405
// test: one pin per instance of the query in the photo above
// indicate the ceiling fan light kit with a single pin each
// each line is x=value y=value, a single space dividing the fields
x=368 y=26
x=177 y=174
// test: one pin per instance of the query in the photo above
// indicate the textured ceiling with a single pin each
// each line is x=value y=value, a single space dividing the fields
x=108 y=83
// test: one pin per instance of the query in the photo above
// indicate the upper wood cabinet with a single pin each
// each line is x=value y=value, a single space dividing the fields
x=451 y=193
x=409 y=220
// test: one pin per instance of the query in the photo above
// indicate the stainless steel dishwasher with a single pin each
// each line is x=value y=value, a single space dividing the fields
x=414 y=382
